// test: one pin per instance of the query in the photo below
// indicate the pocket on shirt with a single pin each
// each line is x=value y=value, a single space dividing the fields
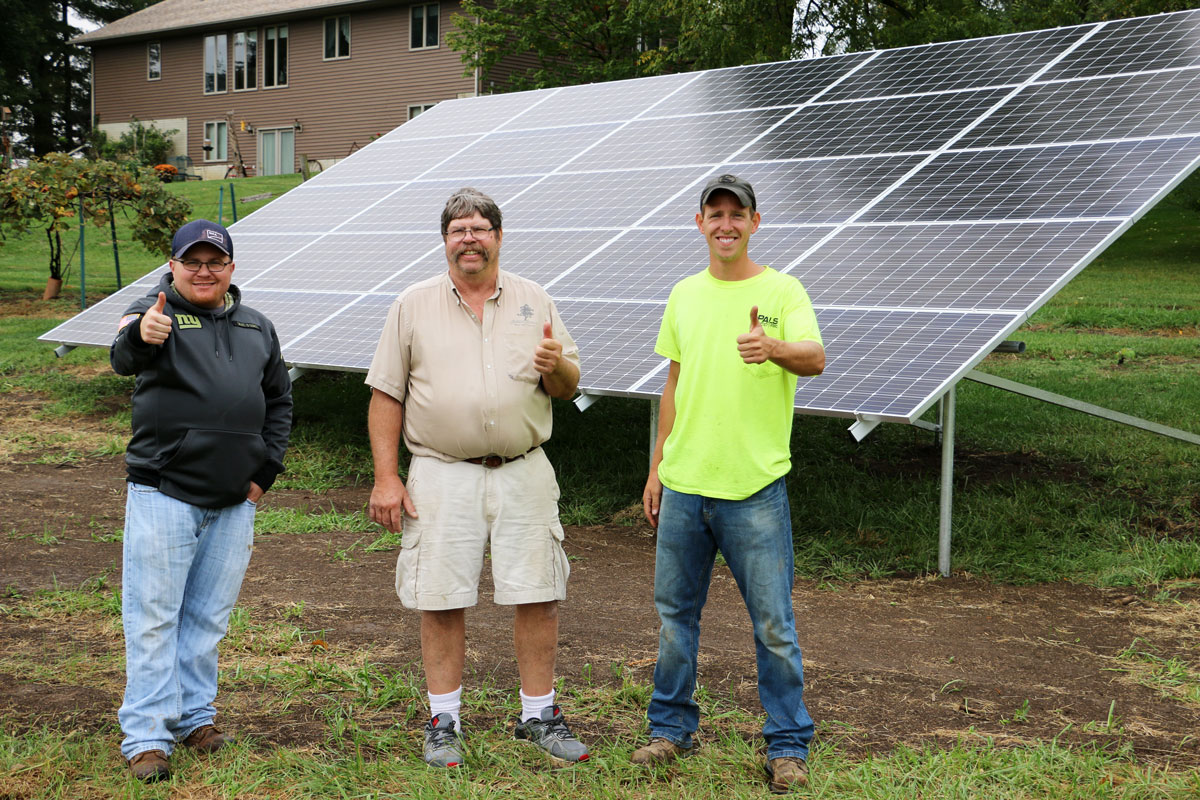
x=518 y=356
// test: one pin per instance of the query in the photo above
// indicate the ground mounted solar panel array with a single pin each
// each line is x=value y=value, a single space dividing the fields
x=929 y=198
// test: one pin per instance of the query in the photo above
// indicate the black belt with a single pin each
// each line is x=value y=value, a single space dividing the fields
x=493 y=461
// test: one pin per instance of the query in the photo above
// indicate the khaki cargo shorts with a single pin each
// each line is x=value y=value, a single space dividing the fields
x=463 y=507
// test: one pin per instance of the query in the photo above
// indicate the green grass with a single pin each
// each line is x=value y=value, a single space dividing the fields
x=25 y=258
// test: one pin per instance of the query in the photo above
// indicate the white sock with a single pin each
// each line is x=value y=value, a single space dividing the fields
x=448 y=703
x=531 y=707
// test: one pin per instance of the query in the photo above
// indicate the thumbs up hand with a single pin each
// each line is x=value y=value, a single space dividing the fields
x=155 y=326
x=548 y=351
x=755 y=347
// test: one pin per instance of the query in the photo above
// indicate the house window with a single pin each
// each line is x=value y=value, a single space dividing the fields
x=413 y=111
x=424 y=26
x=153 y=61
x=275 y=56
x=215 y=136
x=337 y=37
x=215 y=58
x=245 y=60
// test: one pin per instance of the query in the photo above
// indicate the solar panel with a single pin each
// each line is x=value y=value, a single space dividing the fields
x=930 y=199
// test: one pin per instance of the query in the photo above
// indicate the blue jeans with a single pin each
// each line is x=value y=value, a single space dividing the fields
x=755 y=536
x=183 y=568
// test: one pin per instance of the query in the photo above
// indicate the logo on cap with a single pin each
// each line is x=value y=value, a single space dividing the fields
x=216 y=236
x=727 y=178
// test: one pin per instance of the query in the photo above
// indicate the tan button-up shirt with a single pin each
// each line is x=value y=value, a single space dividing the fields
x=468 y=385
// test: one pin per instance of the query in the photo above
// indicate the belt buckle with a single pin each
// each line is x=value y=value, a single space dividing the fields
x=492 y=461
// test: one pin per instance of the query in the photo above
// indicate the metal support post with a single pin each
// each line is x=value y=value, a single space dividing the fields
x=82 y=274
x=221 y=204
x=946 y=412
x=653 y=426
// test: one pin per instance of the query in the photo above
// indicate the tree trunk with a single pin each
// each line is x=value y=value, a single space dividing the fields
x=53 y=288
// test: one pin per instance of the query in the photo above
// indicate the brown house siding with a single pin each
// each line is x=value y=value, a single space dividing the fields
x=339 y=104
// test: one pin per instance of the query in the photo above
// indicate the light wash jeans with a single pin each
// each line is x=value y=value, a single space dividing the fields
x=755 y=536
x=183 y=568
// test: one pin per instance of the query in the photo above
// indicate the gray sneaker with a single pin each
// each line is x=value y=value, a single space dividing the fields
x=550 y=732
x=443 y=744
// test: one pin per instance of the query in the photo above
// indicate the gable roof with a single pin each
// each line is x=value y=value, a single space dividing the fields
x=179 y=15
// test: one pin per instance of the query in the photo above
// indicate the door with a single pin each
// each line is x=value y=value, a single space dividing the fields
x=277 y=151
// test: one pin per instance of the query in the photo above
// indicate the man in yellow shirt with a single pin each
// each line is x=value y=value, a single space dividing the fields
x=717 y=477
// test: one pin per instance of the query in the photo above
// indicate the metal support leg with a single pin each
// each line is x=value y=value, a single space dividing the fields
x=653 y=426
x=946 y=412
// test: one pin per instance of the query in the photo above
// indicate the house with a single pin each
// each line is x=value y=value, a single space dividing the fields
x=274 y=80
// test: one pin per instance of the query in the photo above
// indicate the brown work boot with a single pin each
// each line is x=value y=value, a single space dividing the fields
x=786 y=774
x=207 y=739
x=150 y=766
x=659 y=751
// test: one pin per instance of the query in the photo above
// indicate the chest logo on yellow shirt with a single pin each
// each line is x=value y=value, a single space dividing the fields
x=768 y=322
x=187 y=321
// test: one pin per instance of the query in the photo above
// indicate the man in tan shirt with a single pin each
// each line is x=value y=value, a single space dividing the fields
x=465 y=369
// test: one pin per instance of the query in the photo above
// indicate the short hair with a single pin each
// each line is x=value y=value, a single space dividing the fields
x=465 y=202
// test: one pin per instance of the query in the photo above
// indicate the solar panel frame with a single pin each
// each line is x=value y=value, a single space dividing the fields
x=931 y=198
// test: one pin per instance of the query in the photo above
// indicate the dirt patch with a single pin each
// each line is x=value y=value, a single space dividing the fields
x=915 y=661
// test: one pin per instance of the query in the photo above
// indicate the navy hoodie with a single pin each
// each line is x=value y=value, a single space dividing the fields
x=212 y=406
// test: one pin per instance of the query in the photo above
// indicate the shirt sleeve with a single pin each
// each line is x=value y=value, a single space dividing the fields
x=667 y=345
x=389 y=367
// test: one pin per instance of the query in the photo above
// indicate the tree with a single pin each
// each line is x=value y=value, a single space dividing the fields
x=43 y=77
x=47 y=194
x=599 y=40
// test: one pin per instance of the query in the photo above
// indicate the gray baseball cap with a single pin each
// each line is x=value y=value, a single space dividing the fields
x=742 y=190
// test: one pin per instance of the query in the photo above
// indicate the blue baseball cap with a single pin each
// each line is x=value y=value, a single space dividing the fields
x=201 y=230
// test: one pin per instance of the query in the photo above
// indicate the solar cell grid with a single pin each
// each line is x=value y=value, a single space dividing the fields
x=1130 y=106
x=997 y=61
x=616 y=101
x=417 y=206
x=348 y=339
x=394 y=161
x=804 y=192
x=695 y=139
x=1005 y=266
x=535 y=152
x=597 y=199
x=1096 y=180
x=1132 y=45
x=896 y=125
x=314 y=209
x=787 y=83
x=321 y=267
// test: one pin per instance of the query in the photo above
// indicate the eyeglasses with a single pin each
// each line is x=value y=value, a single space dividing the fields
x=192 y=265
x=458 y=234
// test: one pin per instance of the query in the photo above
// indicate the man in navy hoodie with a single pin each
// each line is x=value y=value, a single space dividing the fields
x=212 y=410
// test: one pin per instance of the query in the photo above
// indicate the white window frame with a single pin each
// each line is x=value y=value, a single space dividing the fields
x=337 y=26
x=249 y=71
x=217 y=133
x=417 y=109
x=220 y=52
x=154 y=61
x=270 y=54
x=412 y=19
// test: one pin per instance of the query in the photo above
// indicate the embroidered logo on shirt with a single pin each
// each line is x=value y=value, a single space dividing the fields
x=246 y=325
x=187 y=321
x=768 y=322
x=526 y=312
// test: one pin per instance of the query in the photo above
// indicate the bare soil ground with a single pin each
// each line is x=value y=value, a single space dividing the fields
x=917 y=661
